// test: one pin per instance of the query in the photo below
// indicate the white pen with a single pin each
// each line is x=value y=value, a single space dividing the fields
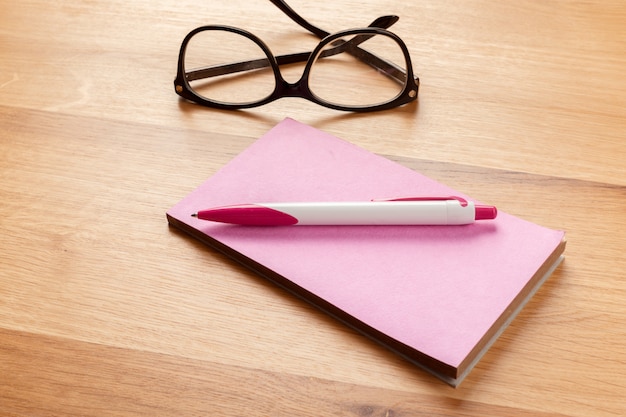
x=401 y=211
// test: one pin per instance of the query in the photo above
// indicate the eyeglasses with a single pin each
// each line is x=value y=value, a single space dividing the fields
x=356 y=70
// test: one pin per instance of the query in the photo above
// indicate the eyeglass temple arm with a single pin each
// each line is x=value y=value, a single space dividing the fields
x=284 y=7
x=389 y=69
x=372 y=60
x=384 y=22
x=214 y=71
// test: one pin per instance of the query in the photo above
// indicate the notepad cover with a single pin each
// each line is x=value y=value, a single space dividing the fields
x=437 y=295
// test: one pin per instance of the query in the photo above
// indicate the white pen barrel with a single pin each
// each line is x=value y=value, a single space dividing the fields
x=444 y=212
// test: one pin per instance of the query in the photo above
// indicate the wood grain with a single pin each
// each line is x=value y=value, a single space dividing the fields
x=104 y=310
x=83 y=379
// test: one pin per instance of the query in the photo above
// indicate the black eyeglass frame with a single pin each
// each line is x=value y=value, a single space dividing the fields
x=301 y=87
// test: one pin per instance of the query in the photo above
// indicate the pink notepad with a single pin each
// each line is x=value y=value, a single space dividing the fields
x=437 y=295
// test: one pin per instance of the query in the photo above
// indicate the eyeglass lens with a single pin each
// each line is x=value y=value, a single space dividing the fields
x=230 y=68
x=343 y=74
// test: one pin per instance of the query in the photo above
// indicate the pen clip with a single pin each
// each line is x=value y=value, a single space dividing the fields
x=461 y=200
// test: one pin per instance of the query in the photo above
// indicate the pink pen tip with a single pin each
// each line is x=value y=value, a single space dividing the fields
x=485 y=213
x=248 y=215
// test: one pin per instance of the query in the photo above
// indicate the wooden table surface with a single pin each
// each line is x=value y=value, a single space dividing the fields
x=105 y=311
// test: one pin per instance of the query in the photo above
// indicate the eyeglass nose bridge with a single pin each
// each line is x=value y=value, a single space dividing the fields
x=298 y=88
